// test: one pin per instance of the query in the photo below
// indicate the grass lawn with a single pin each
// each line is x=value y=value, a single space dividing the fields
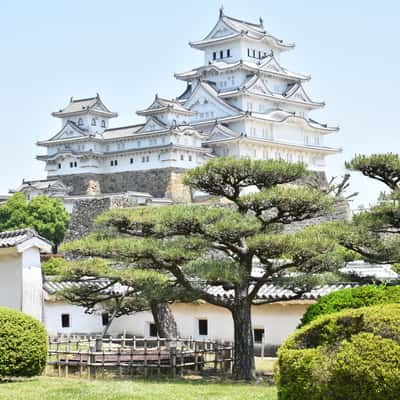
x=46 y=388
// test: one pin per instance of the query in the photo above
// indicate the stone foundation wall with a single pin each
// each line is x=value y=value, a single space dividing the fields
x=157 y=182
x=85 y=212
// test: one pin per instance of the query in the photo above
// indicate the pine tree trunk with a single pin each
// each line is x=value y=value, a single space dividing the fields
x=164 y=320
x=243 y=357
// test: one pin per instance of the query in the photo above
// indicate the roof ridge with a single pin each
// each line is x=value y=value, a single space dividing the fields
x=122 y=127
x=18 y=232
x=243 y=21
x=83 y=99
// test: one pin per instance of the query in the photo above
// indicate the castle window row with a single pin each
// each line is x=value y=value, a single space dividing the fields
x=222 y=54
x=253 y=53
x=93 y=122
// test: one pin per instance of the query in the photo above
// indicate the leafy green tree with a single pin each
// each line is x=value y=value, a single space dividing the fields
x=117 y=291
x=375 y=233
x=208 y=247
x=46 y=215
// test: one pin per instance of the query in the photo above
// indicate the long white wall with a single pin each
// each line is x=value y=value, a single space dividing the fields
x=278 y=320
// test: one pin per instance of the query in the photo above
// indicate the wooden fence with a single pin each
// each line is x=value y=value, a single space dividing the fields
x=95 y=356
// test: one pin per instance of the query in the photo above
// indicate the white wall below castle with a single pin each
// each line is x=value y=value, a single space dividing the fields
x=278 y=320
x=11 y=279
x=32 y=292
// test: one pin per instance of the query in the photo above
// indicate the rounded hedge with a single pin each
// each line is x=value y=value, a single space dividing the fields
x=361 y=296
x=350 y=355
x=23 y=344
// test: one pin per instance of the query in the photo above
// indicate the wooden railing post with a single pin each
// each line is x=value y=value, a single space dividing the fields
x=172 y=352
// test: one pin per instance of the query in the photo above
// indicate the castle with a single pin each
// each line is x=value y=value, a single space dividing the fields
x=241 y=102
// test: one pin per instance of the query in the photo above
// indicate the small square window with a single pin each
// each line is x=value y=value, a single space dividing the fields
x=65 y=321
x=105 y=319
x=153 y=330
x=190 y=158
x=203 y=327
x=182 y=157
x=258 y=335
x=131 y=160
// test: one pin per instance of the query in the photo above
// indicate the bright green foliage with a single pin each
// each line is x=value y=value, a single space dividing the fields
x=357 y=297
x=353 y=354
x=23 y=344
x=375 y=234
x=227 y=176
x=53 y=266
x=46 y=215
x=384 y=168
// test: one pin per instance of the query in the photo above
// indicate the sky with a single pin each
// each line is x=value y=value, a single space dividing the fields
x=129 y=50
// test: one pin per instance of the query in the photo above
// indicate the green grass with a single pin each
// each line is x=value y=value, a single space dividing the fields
x=46 y=388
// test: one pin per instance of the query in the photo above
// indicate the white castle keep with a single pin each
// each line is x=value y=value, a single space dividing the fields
x=241 y=102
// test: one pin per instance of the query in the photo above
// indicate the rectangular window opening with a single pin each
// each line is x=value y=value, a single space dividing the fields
x=203 y=327
x=105 y=319
x=258 y=334
x=65 y=321
x=153 y=330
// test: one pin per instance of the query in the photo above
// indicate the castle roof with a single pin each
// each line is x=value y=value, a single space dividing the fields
x=42 y=185
x=295 y=92
x=83 y=106
x=121 y=131
x=228 y=28
x=160 y=105
x=18 y=237
x=268 y=65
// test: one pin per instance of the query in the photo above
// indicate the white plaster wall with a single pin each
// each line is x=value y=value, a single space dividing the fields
x=32 y=289
x=80 y=322
x=11 y=279
x=278 y=320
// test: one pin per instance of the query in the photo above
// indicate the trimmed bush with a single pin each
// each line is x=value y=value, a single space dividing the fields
x=23 y=344
x=350 y=355
x=361 y=296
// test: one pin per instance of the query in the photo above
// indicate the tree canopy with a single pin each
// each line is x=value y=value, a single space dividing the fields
x=238 y=246
x=46 y=215
x=375 y=233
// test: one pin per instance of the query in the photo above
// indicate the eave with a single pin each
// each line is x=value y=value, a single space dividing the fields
x=248 y=115
x=275 y=98
x=202 y=44
x=319 y=149
x=151 y=111
x=61 y=114
x=197 y=73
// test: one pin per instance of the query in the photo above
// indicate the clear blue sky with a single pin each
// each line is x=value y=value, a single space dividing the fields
x=128 y=50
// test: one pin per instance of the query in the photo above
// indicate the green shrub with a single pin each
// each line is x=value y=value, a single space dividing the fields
x=350 y=355
x=361 y=296
x=53 y=266
x=23 y=344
